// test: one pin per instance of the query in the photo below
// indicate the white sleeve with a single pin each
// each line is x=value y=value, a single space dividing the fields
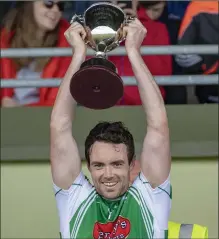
x=157 y=199
x=68 y=201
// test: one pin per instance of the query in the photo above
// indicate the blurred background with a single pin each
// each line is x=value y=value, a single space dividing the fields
x=188 y=83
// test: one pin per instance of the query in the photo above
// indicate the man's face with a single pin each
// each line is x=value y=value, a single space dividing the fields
x=109 y=168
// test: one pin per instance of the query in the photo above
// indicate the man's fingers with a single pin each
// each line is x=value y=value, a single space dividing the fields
x=125 y=31
x=77 y=28
x=75 y=24
x=81 y=31
x=133 y=24
x=138 y=22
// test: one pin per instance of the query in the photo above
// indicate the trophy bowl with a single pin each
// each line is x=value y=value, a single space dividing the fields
x=97 y=85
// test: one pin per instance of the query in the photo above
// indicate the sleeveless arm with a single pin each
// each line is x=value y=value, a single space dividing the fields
x=64 y=154
x=155 y=157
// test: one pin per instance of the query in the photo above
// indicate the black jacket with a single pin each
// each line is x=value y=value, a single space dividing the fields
x=200 y=25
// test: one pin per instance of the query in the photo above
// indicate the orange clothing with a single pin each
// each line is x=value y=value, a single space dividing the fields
x=199 y=26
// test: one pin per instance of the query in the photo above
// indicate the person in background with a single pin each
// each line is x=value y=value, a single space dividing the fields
x=172 y=18
x=200 y=26
x=147 y=12
x=31 y=25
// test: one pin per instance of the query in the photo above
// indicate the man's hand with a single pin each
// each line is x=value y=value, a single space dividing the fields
x=76 y=35
x=135 y=33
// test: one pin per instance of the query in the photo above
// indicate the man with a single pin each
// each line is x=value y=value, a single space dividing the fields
x=110 y=208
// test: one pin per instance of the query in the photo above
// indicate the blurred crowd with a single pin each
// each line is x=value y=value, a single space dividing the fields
x=37 y=24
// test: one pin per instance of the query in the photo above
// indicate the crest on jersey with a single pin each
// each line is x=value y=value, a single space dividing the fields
x=118 y=229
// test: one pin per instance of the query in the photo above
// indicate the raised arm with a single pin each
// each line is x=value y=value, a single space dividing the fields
x=64 y=155
x=155 y=158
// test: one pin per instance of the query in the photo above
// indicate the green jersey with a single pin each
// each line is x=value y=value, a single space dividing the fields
x=142 y=212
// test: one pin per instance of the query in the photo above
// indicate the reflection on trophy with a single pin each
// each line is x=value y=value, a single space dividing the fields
x=97 y=85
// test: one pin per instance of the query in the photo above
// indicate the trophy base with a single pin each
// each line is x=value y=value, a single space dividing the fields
x=97 y=85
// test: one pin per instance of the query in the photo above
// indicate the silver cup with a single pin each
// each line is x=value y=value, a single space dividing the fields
x=97 y=85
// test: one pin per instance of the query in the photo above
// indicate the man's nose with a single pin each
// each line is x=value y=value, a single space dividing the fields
x=108 y=172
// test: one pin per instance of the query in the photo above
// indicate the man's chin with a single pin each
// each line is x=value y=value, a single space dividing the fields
x=111 y=193
x=110 y=196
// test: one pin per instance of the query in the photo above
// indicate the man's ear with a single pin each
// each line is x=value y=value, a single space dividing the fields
x=135 y=170
x=132 y=164
x=88 y=166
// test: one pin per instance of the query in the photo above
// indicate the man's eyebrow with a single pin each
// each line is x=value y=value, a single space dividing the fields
x=119 y=161
x=115 y=161
x=96 y=162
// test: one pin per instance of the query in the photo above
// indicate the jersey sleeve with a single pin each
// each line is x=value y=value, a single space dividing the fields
x=68 y=201
x=158 y=201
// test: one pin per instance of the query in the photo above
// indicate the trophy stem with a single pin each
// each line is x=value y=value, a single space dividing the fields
x=100 y=54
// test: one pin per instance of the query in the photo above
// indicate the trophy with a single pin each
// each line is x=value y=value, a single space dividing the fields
x=96 y=85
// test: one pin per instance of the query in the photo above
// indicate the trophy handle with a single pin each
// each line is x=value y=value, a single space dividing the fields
x=79 y=19
x=128 y=20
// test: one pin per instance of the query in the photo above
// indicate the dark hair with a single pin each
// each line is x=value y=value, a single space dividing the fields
x=115 y=133
x=148 y=4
